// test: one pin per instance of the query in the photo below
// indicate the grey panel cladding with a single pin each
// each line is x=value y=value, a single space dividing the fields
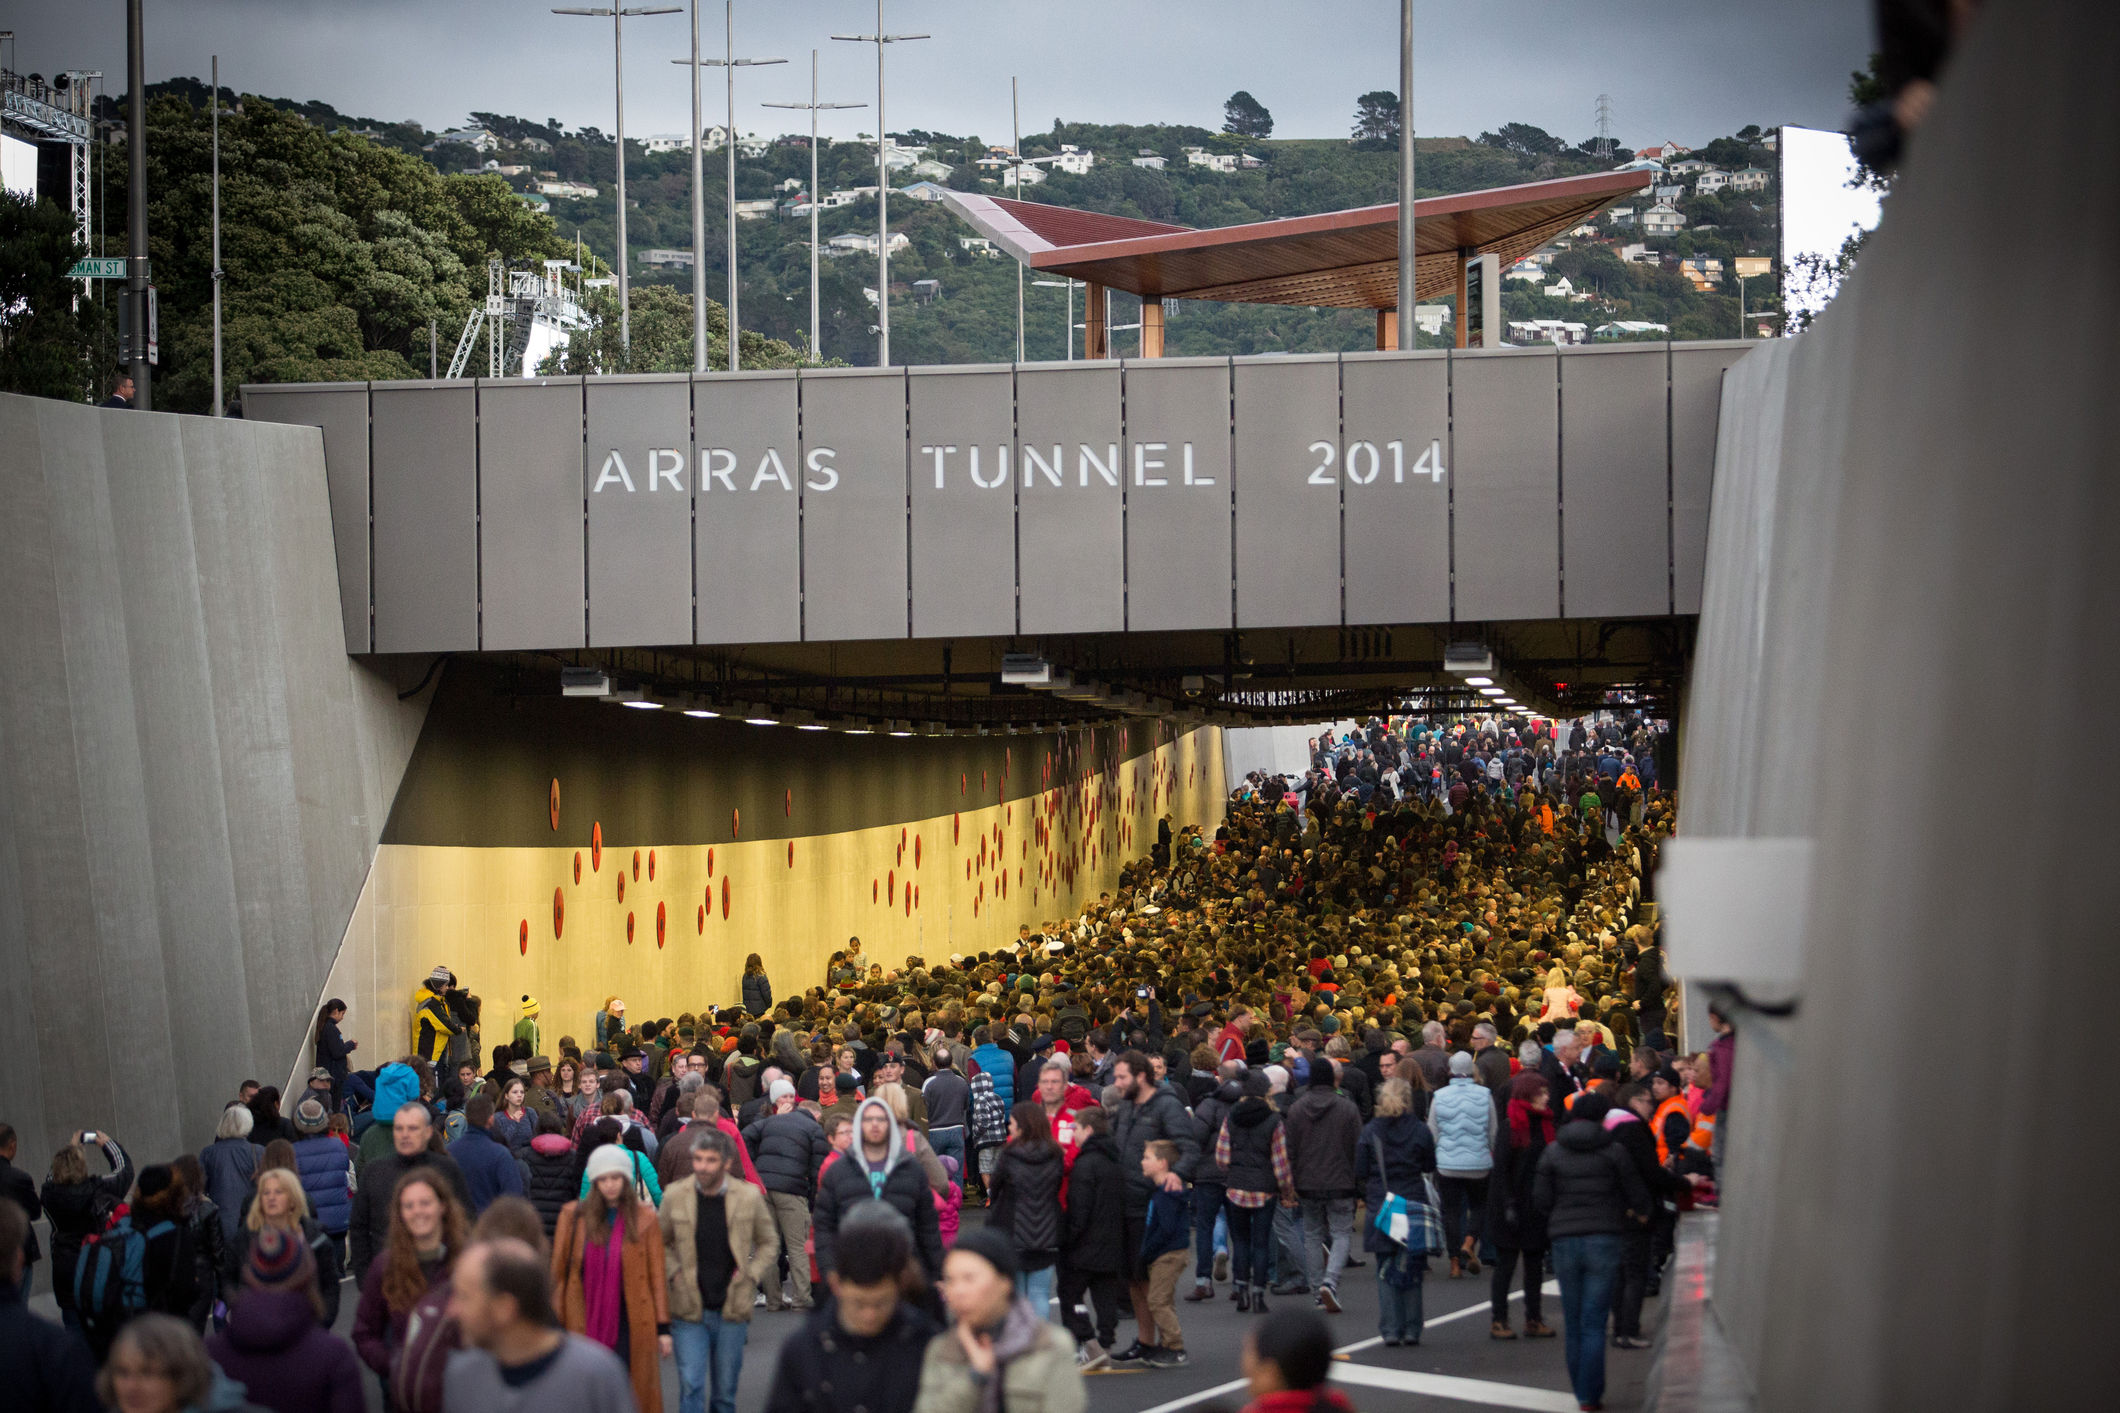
x=1696 y=400
x=1394 y=466
x=1070 y=530
x=1615 y=547
x=853 y=505
x=425 y=440
x=749 y=538
x=341 y=411
x=1505 y=514
x=1287 y=522
x=962 y=425
x=980 y=501
x=1177 y=494
x=530 y=514
x=636 y=471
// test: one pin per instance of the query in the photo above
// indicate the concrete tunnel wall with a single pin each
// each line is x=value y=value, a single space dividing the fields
x=1906 y=630
x=193 y=775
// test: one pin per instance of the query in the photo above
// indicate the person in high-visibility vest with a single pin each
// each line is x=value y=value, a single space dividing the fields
x=432 y=1024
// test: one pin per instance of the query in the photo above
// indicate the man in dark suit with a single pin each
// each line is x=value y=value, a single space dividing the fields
x=121 y=393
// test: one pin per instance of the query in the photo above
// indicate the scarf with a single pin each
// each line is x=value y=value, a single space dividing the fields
x=604 y=1284
x=1019 y=1333
x=1522 y=1111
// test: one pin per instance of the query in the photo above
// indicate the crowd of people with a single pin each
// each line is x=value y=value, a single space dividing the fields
x=1407 y=1011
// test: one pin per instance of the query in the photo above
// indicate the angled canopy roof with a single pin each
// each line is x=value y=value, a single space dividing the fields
x=1342 y=259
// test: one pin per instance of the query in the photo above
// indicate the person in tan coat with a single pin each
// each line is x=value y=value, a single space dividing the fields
x=608 y=1278
x=722 y=1241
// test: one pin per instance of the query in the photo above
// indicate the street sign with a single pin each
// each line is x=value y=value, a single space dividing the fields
x=98 y=267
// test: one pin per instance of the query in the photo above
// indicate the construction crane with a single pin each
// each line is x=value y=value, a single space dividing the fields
x=526 y=314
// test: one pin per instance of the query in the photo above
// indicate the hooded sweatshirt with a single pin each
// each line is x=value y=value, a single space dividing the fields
x=395 y=1087
x=284 y=1360
x=895 y=1178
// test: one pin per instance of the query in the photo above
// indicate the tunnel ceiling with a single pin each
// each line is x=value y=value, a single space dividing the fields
x=1255 y=677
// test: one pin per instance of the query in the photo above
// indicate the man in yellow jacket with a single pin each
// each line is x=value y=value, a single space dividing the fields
x=432 y=1025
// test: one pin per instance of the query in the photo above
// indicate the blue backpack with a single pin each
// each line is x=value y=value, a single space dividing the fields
x=110 y=1277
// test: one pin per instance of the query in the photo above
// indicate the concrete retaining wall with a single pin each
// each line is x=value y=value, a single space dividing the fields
x=193 y=775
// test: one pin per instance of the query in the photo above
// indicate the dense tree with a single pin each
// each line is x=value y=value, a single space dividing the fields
x=1376 y=120
x=1524 y=140
x=51 y=342
x=1246 y=116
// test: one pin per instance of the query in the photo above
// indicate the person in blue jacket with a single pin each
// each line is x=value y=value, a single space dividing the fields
x=490 y=1169
x=325 y=1166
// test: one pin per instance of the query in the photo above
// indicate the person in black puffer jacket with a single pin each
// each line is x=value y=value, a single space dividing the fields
x=1093 y=1237
x=78 y=1204
x=551 y=1176
x=1208 y=1185
x=1592 y=1194
x=1026 y=1201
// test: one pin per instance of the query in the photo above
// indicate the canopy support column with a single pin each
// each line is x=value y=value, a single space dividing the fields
x=1151 y=328
x=1096 y=321
x=1387 y=329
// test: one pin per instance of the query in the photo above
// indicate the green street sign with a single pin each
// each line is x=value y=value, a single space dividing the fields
x=98 y=267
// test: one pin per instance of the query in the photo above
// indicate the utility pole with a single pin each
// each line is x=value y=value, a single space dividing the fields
x=136 y=282
x=618 y=69
x=814 y=107
x=883 y=186
x=728 y=66
x=1015 y=123
x=1407 y=293
x=217 y=404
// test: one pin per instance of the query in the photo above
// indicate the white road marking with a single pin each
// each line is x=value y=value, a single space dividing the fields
x=1541 y=1400
x=1340 y=1370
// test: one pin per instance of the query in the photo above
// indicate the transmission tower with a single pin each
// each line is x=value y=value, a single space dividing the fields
x=1605 y=144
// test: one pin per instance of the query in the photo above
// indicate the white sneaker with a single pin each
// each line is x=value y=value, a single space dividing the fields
x=759 y=1303
x=1092 y=1356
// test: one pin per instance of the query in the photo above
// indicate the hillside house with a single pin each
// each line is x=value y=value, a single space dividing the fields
x=1711 y=180
x=1153 y=161
x=1555 y=331
x=1212 y=161
x=1663 y=219
x=1750 y=179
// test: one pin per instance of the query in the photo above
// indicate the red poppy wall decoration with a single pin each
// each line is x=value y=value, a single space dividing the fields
x=659 y=925
x=791 y=853
x=916 y=851
x=621 y=887
x=702 y=919
x=577 y=865
x=956 y=828
x=636 y=865
x=788 y=804
x=710 y=861
x=522 y=938
x=875 y=889
x=596 y=847
x=890 y=889
x=725 y=897
x=735 y=823
x=559 y=911
x=629 y=929
x=555 y=804
x=651 y=865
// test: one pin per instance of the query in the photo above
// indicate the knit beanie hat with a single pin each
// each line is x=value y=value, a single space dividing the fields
x=438 y=978
x=310 y=1118
x=279 y=1259
x=611 y=1158
x=990 y=1246
x=529 y=1006
x=779 y=1090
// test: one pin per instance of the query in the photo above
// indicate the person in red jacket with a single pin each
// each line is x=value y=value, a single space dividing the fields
x=1229 y=1044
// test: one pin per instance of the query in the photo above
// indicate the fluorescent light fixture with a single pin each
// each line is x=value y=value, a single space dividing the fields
x=1479 y=681
x=583 y=682
x=900 y=733
x=857 y=730
x=812 y=726
x=703 y=713
x=643 y=704
x=761 y=721
x=1490 y=691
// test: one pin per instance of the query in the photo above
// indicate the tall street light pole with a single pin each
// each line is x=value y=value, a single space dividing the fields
x=136 y=271
x=618 y=15
x=1407 y=295
x=728 y=66
x=883 y=186
x=814 y=108
x=217 y=236
x=1015 y=124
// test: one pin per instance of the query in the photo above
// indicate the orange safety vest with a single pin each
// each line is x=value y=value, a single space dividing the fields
x=1676 y=1104
x=1703 y=1136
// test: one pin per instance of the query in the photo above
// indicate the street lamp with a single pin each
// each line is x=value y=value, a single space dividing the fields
x=1015 y=124
x=814 y=108
x=728 y=66
x=883 y=186
x=618 y=15
x=1407 y=295
x=1069 y=286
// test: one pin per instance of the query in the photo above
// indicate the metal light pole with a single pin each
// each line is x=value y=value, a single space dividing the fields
x=814 y=107
x=136 y=204
x=1069 y=286
x=618 y=82
x=1015 y=124
x=1407 y=294
x=728 y=66
x=883 y=187
x=217 y=236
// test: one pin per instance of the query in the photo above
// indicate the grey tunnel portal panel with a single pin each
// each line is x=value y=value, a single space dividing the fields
x=1166 y=494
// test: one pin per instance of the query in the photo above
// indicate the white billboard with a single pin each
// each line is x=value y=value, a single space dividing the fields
x=18 y=166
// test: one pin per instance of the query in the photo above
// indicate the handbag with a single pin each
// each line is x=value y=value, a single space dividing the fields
x=1413 y=1224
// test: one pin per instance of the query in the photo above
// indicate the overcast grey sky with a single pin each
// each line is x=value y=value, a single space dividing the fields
x=1677 y=70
